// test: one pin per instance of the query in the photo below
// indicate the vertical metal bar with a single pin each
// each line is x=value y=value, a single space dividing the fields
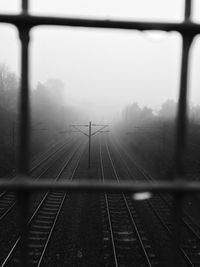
x=181 y=137
x=23 y=196
x=13 y=143
x=188 y=8
x=24 y=104
x=89 y=152
x=182 y=108
x=25 y=4
x=163 y=129
x=24 y=133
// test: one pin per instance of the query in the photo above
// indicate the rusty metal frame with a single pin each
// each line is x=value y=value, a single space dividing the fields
x=178 y=187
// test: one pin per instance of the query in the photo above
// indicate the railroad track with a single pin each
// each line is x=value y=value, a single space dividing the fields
x=8 y=198
x=162 y=209
x=40 y=158
x=125 y=241
x=42 y=222
x=49 y=153
x=52 y=148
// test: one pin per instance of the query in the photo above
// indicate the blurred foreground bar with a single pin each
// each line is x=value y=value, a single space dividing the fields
x=186 y=27
x=111 y=187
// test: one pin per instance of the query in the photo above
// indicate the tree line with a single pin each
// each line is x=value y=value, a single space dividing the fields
x=134 y=114
x=50 y=116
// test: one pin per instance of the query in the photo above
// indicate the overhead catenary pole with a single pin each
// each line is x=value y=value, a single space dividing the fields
x=89 y=152
x=89 y=135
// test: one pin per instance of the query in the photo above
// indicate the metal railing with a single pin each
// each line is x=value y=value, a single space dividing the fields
x=23 y=186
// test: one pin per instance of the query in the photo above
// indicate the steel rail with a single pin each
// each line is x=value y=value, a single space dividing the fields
x=170 y=233
x=108 y=212
x=188 y=221
x=189 y=226
x=64 y=197
x=148 y=261
x=150 y=179
x=11 y=202
x=48 y=153
x=39 y=207
x=37 y=159
x=184 y=220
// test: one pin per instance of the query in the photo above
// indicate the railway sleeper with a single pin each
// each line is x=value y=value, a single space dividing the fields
x=37 y=238
x=42 y=222
x=45 y=217
x=36 y=233
x=35 y=245
x=42 y=227
x=49 y=212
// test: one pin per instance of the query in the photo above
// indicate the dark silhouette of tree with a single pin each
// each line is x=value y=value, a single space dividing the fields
x=146 y=114
x=9 y=85
x=131 y=113
x=194 y=113
x=168 y=109
x=135 y=115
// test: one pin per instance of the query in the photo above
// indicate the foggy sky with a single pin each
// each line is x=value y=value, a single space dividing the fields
x=106 y=67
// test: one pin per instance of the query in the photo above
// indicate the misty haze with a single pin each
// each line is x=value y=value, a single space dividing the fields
x=100 y=133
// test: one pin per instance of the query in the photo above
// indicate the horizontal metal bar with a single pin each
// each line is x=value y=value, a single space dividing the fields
x=97 y=131
x=100 y=125
x=79 y=125
x=29 y=21
x=75 y=127
x=95 y=186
